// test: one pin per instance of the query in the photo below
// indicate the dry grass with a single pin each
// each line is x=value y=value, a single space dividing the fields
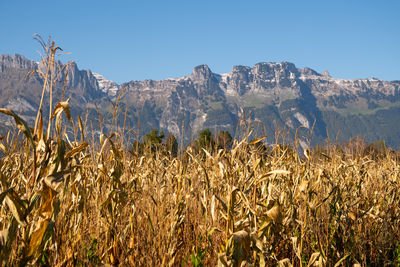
x=67 y=201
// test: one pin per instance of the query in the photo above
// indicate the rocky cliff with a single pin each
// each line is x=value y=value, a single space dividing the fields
x=264 y=97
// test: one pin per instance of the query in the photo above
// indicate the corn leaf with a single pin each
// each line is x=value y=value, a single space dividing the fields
x=21 y=124
x=16 y=206
x=36 y=238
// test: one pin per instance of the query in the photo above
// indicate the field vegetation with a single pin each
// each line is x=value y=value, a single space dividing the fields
x=72 y=198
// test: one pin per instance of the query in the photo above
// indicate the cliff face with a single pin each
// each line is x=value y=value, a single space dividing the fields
x=16 y=62
x=263 y=96
x=22 y=92
x=276 y=94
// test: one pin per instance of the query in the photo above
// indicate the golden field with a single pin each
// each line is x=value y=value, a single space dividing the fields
x=79 y=200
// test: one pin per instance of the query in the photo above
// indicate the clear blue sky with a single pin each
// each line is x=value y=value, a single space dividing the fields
x=136 y=40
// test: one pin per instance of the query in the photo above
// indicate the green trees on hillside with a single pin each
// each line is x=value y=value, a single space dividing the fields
x=154 y=138
x=156 y=141
x=223 y=140
x=205 y=140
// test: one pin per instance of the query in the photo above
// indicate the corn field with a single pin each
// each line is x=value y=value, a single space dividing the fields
x=71 y=200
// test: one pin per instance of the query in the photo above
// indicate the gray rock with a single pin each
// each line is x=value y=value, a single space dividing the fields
x=273 y=93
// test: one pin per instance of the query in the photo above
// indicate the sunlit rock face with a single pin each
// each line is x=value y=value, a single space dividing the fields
x=268 y=95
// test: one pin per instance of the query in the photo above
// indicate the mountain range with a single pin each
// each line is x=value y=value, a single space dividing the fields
x=266 y=97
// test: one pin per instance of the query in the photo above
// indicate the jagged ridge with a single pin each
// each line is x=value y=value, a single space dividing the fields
x=275 y=93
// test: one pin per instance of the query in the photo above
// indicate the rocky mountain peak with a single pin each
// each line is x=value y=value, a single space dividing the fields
x=16 y=62
x=326 y=74
x=272 y=70
x=107 y=86
x=276 y=93
x=201 y=73
x=309 y=72
x=241 y=72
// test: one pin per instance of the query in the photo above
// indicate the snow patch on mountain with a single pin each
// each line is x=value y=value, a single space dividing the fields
x=107 y=86
x=303 y=120
x=224 y=77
